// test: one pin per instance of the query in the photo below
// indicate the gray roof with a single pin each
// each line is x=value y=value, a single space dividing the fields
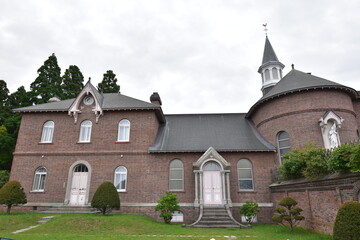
x=108 y=101
x=296 y=81
x=269 y=53
x=198 y=132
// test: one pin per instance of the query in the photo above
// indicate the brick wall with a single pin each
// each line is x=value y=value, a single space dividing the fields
x=320 y=199
x=299 y=113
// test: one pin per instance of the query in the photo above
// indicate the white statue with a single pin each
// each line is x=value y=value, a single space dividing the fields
x=333 y=137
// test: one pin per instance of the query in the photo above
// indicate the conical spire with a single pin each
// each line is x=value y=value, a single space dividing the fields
x=269 y=53
x=270 y=69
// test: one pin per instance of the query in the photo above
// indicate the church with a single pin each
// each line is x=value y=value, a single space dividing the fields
x=213 y=162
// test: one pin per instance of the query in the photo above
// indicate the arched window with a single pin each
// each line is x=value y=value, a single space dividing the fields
x=245 y=175
x=39 y=180
x=85 y=131
x=120 y=179
x=47 y=132
x=124 y=131
x=275 y=73
x=267 y=74
x=283 y=142
x=176 y=175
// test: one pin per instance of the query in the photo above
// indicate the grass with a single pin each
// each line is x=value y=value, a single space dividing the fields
x=126 y=227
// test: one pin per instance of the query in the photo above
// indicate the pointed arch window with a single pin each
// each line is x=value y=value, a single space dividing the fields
x=245 y=175
x=283 y=143
x=120 y=179
x=176 y=175
x=124 y=131
x=39 y=180
x=267 y=74
x=47 y=132
x=85 y=131
x=275 y=73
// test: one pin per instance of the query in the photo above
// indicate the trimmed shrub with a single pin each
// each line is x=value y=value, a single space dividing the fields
x=340 y=157
x=4 y=177
x=316 y=162
x=293 y=165
x=106 y=198
x=347 y=222
x=354 y=161
x=288 y=215
x=12 y=194
x=167 y=205
x=249 y=211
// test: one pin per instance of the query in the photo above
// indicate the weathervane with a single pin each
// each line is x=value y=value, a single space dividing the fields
x=265 y=29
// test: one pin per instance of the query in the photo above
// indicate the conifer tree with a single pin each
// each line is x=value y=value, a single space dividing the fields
x=108 y=84
x=4 y=93
x=20 y=98
x=48 y=83
x=72 y=82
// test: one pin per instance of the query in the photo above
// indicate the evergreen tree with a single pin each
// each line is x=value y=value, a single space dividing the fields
x=20 y=98
x=48 y=83
x=4 y=93
x=108 y=84
x=72 y=82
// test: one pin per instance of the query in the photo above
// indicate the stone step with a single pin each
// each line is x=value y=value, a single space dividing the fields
x=217 y=226
x=69 y=209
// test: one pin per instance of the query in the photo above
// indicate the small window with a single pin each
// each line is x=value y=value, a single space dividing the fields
x=275 y=73
x=124 y=131
x=47 y=132
x=177 y=216
x=176 y=176
x=85 y=131
x=267 y=75
x=39 y=180
x=120 y=179
x=245 y=175
x=283 y=142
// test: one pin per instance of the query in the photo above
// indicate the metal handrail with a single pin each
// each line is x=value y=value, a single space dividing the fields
x=7 y=238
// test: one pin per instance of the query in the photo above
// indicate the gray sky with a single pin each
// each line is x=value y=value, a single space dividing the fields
x=201 y=56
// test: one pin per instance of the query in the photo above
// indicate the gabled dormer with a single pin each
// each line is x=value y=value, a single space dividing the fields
x=270 y=69
x=88 y=96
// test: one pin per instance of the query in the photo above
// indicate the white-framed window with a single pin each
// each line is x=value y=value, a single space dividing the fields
x=124 y=131
x=39 y=180
x=85 y=131
x=275 y=73
x=177 y=216
x=245 y=175
x=283 y=142
x=120 y=178
x=176 y=175
x=267 y=74
x=47 y=132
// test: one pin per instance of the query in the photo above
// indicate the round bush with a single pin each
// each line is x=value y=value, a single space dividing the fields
x=106 y=198
x=287 y=201
x=347 y=223
x=12 y=194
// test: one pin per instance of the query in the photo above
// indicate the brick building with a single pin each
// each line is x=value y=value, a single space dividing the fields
x=66 y=149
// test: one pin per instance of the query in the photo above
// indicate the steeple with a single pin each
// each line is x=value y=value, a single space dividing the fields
x=270 y=69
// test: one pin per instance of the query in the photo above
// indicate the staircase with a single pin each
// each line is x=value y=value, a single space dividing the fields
x=69 y=209
x=216 y=217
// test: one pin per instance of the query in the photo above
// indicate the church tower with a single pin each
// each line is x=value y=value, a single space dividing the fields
x=270 y=69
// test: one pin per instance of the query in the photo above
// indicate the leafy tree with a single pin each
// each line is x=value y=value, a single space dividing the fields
x=354 y=161
x=4 y=177
x=249 y=211
x=167 y=205
x=108 y=84
x=12 y=194
x=72 y=82
x=4 y=93
x=288 y=215
x=293 y=164
x=340 y=157
x=347 y=222
x=7 y=146
x=106 y=198
x=48 y=83
x=20 y=98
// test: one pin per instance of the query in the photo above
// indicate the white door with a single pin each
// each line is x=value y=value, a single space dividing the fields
x=78 y=188
x=212 y=187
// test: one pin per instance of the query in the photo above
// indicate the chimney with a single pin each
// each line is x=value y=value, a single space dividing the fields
x=155 y=99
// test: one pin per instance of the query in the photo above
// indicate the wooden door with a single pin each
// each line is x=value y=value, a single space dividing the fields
x=78 y=188
x=212 y=187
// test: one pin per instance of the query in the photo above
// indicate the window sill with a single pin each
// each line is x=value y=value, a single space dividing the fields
x=246 y=191
x=37 y=191
x=121 y=191
x=177 y=191
x=122 y=142
x=83 y=143
x=45 y=143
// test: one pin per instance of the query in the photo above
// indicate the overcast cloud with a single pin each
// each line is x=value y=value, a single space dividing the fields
x=201 y=56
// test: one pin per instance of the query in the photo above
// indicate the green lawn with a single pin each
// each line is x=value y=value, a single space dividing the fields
x=123 y=226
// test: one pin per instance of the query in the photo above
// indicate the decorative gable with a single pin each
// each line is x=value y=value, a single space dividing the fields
x=211 y=154
x=89 y=96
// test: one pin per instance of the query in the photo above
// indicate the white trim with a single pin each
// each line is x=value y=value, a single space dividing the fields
x=211 y=155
